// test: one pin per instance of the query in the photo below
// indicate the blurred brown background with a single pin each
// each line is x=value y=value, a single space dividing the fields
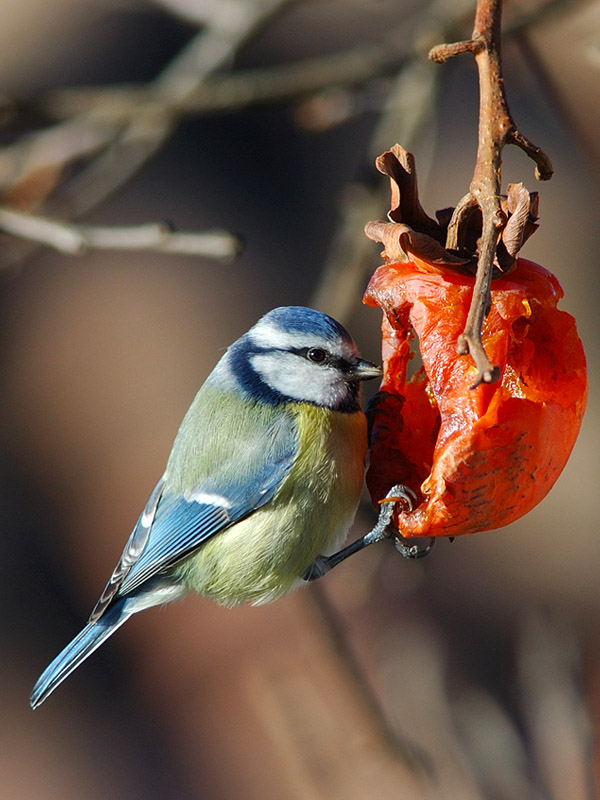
x=473 y=673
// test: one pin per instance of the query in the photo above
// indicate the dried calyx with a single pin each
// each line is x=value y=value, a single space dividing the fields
x=451 y=242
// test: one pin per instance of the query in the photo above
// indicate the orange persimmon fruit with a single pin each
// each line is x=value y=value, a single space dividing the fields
x=477 y=458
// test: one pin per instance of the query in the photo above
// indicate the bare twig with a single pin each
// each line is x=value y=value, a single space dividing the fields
x=228 y=93
x=406 y=114
x=331 y=628
x=53 y=148
x=147 y=129
x=122 y=141
x=120 y=128
x=550 y=679
x=78 y=239
x=405 y=117
x=496 y=129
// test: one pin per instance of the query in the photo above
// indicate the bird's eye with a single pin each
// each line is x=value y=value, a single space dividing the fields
x=317 y=355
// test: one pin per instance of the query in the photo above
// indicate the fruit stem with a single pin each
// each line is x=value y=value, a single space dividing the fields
x=496 y=129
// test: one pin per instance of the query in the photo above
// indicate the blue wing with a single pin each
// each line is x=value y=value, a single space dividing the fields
x=172 y=525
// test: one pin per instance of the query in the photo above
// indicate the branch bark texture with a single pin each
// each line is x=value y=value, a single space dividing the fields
x=496 y=129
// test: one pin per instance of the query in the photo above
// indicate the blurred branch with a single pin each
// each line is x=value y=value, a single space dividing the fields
x=233 y=92
x=408 y=111
x=407 y=114
x=110 y=132
x=331 y=628
x=79 y=239
x=559 y=722
x=324 y=736
x=147 y=129
x=120 y=144
x=492 y=744
x=134 y=121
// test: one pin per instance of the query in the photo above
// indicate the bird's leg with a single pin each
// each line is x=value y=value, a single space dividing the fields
x=399 y=493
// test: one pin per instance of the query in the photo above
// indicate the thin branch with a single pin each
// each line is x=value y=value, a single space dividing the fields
x=543 y=169
x=550 y=681
x=120 y=128
x=405 y=117
x=227 y=27
x=332 y=629
x=232 y=92
x=229 y=93
x=496 y=129
x=55 y=147
x=123 y=142
x=148 y=129
x=79 y=239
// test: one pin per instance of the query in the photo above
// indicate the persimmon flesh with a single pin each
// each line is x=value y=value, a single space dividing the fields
x=477 y=458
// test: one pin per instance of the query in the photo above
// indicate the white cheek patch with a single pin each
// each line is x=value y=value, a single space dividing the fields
x=299 y=379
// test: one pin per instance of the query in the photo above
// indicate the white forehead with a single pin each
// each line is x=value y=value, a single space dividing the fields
x=268 y=334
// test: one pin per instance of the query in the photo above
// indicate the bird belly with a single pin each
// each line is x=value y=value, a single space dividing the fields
x=262 y=557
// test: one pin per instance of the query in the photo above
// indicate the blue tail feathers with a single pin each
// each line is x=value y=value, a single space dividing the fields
x=82 y=646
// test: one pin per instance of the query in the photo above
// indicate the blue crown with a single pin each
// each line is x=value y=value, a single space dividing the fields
x=307 y=320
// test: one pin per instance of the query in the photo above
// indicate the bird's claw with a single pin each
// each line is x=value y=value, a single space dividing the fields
x=412 y=550
x=382 y=530
x=400 y=494
x=406 y=496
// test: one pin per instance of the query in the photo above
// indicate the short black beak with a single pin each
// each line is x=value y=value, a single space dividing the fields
x=365 y=370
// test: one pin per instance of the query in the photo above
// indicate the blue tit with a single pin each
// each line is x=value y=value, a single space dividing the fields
x=262 y=483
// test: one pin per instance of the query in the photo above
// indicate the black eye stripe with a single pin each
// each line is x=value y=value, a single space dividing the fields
x=330 y=360
x=318 y=355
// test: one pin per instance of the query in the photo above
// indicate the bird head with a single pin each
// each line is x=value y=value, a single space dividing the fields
x=300 y=355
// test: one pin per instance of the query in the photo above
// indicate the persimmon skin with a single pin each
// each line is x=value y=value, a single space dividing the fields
x=478 y=458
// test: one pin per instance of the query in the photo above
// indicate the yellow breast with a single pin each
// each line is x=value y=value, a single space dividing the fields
x=261 y=557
